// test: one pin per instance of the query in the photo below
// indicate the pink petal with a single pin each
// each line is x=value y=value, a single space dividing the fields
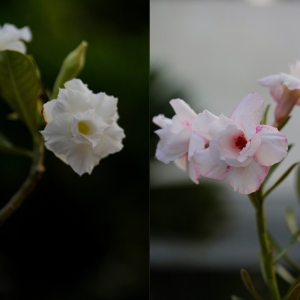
x=219 y=125
x=290 y=81
x=276 y=92
x=247 y=180
x=181 y=162
x=295 y=69
x=271 y=80
x=252 y=105
x=193 y=171
x=254 y=144
x=273 y=147
x=248 y=125
x=202 y=123
x=208 y=167
x=161 y=121
x=236 y=163
x=183 y=111
x=197 y=143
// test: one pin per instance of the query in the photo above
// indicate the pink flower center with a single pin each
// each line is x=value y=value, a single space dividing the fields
x=240 y=142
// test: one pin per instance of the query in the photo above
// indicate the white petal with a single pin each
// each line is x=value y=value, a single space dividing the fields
x=273 y=147
x=47 y=111
x=202 y=123
x=62 y=157
x=14 y=45
x=290 y=81
x=77 y=85
x=193 y=171
x=236 y=163
x=247 y=180
x=161 y=121
x=81 y=157
x=181 y=162
x=183 y=111
x=254 y=144
x=219 y=125
x=110 y=141
x=105 y=106
x=276 y=92
x=209 y=168
x=271 y=80
x=197 y=143
x=71 y=101
x=57 y=133
x=248 y=125
x=174 y=148
x=252 y=105
x=25 y=34
x=295 y=69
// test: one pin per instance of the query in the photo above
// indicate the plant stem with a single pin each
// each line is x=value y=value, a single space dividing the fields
x=266 y=252
x=36 y=170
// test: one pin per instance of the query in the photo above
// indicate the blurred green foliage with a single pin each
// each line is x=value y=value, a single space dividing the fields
x=82 y=238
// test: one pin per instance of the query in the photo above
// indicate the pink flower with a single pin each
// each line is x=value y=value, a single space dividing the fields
x=240 y=149
x=285 y=89
x=177 y=141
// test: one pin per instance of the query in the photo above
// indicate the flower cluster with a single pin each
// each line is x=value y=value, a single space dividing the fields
x=285 y=89
x=82 y=126
x=237 y=148
x=10 y=37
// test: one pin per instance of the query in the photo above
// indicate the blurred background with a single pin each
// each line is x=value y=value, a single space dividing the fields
x=210 y=54
x=82 y=237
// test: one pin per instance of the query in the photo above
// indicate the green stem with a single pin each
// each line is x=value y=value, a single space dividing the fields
x=266 y=252
x=36 y=170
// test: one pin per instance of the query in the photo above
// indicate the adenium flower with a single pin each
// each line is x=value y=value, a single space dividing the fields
x=82 y=126
x=240 y=149
x=285 y=89
x=10 y=37
x=177 y=141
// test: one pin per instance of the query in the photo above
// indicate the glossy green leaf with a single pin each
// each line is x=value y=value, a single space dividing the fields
x=287 y=172
x=274 y=167
x=248 y=283
x=283 y=123
x=71 y=67
x=19 y=86
x=285 y=274
x=264 y=118
x=7 y=147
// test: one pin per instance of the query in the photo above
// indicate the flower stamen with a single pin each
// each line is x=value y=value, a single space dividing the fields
x=240 y=142
x=83 y=128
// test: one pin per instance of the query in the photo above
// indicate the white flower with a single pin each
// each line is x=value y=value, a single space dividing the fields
x=177 y=141
x=81 y=126
x=10 y=37
x=240 y=149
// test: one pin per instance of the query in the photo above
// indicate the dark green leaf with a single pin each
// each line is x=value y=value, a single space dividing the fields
x=264 y=118
x=19 y=86
x=7 y=147
x=248 y=283
x=287 y=172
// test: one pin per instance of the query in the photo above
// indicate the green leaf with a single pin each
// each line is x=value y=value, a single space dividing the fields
x=287 y=172
x=290 y=220
x=19 y=86
x=295 y=293
x=7 y=147
x=248 y=283
x=71 y=67
x=233 y=297
x=281 y=124
x=262 y=268
x=264 y=118
x=284 y=274
x=291 y=289
x=274 y=167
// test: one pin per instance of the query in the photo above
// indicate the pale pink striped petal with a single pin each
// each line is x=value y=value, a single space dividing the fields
x=202 y=123
x=181 y=162
x=161 y=121
x=247 y=180
x=219 y=125
x=197 y=143
x=252 y=105
x=236 y=163
x=254 y=144
x=277 y=92
x=183 y=111
x=248 y=125
x=290 y=81
x=271 y=80
x=273 y=147
x=193 y=171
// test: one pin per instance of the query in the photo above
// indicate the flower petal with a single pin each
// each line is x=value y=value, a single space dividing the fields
x=162 y=121
x=295 y=69
x=271 y=80
x=254 y=144
x=276 y=92
x=236 y=163
x=248 y=125
x=197 y=143
x=47 y=111
x=57 y=133
x=14 y=45
x=219 y=125
x=273 y=147
x=252 y=105
x=247 y=180
x=193 y=171
x=290 y=81
x=183 y=111
x=202 y=123
x=77 y=85
x=181 y=162
x=208 y=167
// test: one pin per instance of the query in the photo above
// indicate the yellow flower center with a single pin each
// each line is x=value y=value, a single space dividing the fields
x=83 y=128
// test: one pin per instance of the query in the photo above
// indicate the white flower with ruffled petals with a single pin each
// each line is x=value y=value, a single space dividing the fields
x=177 y=141
x=285 y=90
x=240 y=149
x=10 y=37
x=81 y=126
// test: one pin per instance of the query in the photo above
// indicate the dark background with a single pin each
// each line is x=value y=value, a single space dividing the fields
x=82 y=237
